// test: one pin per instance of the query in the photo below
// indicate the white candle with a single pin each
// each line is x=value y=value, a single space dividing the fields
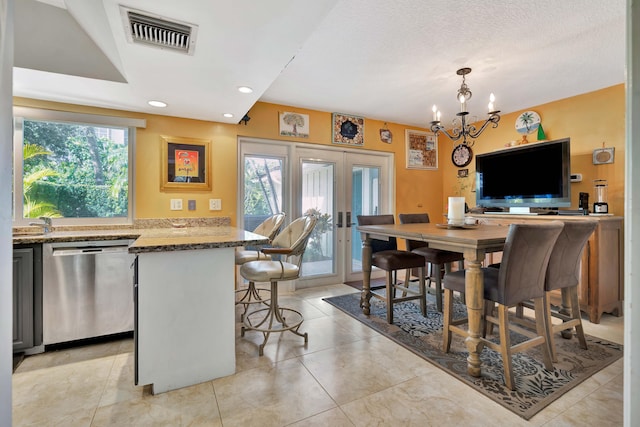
x=463 y=105
x=438 y=118
x=492 y=103
x=435 y=112
x=455 y=213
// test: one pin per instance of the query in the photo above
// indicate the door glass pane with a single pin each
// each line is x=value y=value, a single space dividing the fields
x=318 y=199
x=365 y=200
x=262 y=189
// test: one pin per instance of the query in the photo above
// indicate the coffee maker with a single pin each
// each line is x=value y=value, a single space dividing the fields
x=600 y=206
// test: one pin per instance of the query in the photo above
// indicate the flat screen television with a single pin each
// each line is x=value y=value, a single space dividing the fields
x=536 y=175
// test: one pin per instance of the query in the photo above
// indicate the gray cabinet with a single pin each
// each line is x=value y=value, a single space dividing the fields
x=27 y=297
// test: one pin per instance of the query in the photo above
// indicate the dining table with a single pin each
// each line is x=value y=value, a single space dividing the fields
x=473 y=240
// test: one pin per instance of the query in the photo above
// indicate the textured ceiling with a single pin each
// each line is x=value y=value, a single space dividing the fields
x=388 y=60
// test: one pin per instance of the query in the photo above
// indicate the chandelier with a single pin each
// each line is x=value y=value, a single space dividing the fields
x=462 y=129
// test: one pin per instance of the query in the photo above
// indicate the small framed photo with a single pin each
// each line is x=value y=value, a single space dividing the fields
x=294 y=124
x=386 y=135
x=603 y=156
x=422 y=150
x=463 y=173
x=186 y=164
x=347 y=129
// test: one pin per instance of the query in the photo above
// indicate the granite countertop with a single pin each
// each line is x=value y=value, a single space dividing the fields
x=152 y=235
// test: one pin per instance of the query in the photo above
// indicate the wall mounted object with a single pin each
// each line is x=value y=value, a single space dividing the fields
x=422 y=150
x=186 y=164
x=603 y=156
x=527 y=122
x=385 y=134
x=348 y=129
x=461 y=155
x=294 y=124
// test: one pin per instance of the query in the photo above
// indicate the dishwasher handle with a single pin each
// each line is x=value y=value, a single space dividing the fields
x=90 y=250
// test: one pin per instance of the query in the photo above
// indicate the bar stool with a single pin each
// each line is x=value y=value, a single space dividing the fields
x=436 y=258
x=386 y=256
x=269 y=228
x=290 y=245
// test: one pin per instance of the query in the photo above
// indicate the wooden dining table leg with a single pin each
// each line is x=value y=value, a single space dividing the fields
x=474 y=294
x=365 y=297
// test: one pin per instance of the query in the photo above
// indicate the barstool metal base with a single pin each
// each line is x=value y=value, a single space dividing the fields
x=272 y=320
x=251 y=295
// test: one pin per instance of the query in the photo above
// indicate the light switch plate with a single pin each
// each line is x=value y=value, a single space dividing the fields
x=176 y=204
x=215 y=204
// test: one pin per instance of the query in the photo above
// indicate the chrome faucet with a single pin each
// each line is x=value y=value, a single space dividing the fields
x=46 y=224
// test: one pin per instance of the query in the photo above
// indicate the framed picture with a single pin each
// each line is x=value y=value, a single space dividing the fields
x=294 y=124
x=348 y=129
x=186 y=164
x=603 y=156
x=386 y=136
x=422 y=150
x=463 y=173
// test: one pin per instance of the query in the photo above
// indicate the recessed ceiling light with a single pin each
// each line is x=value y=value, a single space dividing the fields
x=245 y=89
x=158 y=104
x=228 y=115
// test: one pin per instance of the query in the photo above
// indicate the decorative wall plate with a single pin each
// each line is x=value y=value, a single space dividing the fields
x=348 y=129
x=527 y=122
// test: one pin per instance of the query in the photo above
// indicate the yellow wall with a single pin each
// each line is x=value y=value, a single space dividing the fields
x=588 y=119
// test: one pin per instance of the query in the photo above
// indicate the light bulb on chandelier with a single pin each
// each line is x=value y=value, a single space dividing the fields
x=462 y=129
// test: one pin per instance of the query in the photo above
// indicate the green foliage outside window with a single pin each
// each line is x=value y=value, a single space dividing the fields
x=78 y=171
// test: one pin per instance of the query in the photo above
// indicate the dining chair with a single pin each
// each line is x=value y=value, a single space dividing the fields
x=386 y=256
x=439 y=260
x=251 y=295
x=289 y=245
x=521 y=277
x=563 y=273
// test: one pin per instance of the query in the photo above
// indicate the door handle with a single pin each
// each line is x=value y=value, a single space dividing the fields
x=349 y=220
x=339 y=224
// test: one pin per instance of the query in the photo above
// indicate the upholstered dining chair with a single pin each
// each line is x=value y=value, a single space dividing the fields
x=251 y=295
x=386 y=256
x=437 y=259
x=521 y=277
x=289 y=245
x=563 y=273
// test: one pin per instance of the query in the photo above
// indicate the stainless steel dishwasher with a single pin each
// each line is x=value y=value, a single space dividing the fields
x=87 y=290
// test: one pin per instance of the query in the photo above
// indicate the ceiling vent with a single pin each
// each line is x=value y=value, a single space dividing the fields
x=142 y=27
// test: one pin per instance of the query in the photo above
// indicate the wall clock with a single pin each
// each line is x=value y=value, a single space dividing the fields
x=461 y=155
x=527 y=122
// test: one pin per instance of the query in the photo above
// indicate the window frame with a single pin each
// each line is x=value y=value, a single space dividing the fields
x=20 y=114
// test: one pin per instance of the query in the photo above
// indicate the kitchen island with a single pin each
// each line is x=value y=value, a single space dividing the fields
x=184 y=329
x=184 y=311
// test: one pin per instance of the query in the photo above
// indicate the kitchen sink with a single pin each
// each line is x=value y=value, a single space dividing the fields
x=28 y=233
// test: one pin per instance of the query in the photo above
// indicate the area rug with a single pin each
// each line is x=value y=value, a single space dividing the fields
x=535 y=386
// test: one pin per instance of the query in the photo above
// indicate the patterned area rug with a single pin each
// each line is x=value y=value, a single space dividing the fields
x=535 y=386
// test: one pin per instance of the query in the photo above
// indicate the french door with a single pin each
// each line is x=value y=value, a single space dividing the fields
x=335 y=185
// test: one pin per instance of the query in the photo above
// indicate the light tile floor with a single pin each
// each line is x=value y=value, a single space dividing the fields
x=347 y=375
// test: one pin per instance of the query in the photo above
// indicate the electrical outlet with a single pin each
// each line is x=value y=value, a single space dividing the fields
x=215 y=204
x=191 y=205
x=176 y=204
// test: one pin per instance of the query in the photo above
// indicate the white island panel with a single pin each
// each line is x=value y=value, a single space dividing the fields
x=185 y=331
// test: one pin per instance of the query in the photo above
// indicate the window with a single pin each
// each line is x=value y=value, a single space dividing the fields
x=72 y=170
